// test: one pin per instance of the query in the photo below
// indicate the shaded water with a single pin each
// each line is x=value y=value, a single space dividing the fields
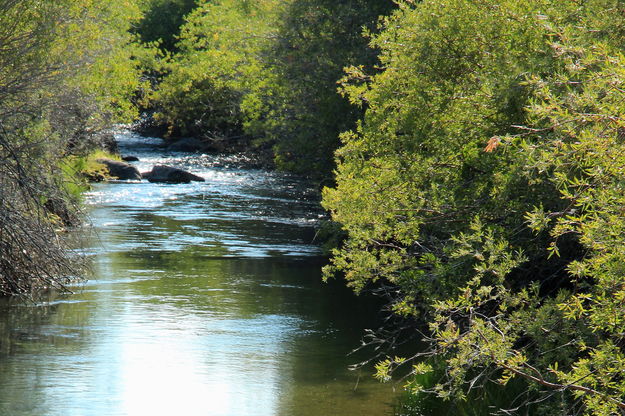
x=206 y=299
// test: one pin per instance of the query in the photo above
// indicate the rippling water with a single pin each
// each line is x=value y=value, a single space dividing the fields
x=205 y=299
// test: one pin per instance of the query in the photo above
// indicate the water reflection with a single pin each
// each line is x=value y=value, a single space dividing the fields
x=206 y=300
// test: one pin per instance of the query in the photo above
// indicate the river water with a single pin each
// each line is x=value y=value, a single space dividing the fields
x=205 y=299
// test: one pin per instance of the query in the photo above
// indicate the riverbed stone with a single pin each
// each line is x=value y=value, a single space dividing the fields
x=120 y=170
x=169 y=174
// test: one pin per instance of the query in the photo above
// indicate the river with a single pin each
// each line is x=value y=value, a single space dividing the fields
x=205 y=299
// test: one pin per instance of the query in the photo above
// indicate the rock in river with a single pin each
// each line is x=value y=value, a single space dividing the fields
x=168 y=174
x=120 y=170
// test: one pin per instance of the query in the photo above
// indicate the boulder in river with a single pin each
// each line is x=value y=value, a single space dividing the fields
x=120 y=170
x=130 y=158
x=169 y=174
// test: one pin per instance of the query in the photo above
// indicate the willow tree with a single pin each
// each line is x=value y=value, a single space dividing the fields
x=162 y=20
x=217 y=65
x=65 y=73
x=485 y=185
x=299 y=111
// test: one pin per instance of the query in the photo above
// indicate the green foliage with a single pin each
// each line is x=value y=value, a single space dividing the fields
x=267 y=70
x=484 y=401
x=162 y=20
x=66 y=72
x=485 y=181
x=69 y=63
x=218 y=63
x=79 y=170
x=300 y=111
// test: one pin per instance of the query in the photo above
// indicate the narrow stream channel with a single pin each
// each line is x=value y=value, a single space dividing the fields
x=206 y=299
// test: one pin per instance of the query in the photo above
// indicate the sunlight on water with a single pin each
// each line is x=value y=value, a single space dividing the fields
x=206 y=299
x=203 y=379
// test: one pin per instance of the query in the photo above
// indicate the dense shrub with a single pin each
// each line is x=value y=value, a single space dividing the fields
x=485 y=183
x=65 y=73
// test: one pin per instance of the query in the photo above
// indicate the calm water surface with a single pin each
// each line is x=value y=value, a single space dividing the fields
x=205 y=300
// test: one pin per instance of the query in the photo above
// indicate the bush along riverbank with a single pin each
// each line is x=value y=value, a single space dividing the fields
x=66 y=73
x=485 y=186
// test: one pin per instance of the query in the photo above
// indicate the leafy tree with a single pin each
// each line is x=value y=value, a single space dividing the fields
x=299 y=111
x=218 y=63
x=485 y=183
x=65 y=73
x=162 y=20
